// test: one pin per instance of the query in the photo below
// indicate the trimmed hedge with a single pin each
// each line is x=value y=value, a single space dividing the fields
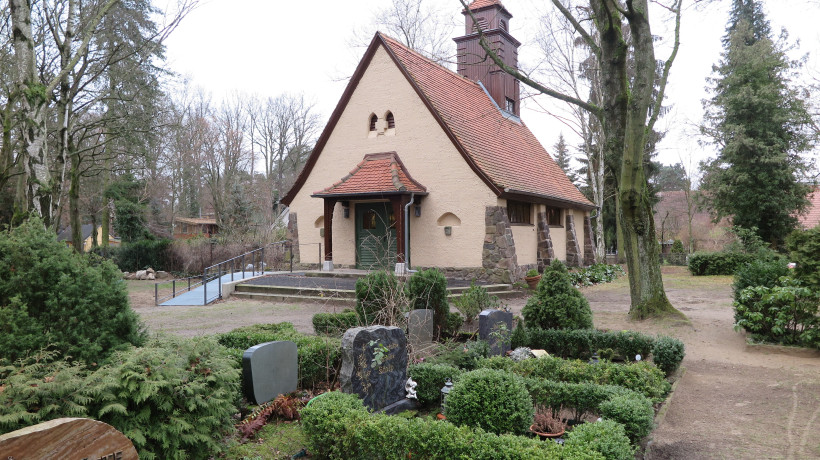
x=335 y=323
x=718 y=263
x=582 y=343
x=494 y=400
x=320 y=358
x=641 y=377
x=667 y=354
x=339 y=427
x=607 y=437
x=556 y=303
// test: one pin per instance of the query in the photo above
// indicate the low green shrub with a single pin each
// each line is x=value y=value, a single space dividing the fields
x=635 y=414
x=759 y=272
x=335 y=323
x=474 y=300
x=667 y=353
x=785 y=314
x=804 y=247
x=641 y=377
x=492 y=400
x=677 y=247
x=427 y=290
x=718 y=263
x=519 y=337
x=453 y=324
x=319 y=357
x=378 y=295
x=430 y=378
x=595 y=274
x=173 y=398
x=338 y=427
x=607 y=437
x=328 y=422
x=556 y=304
x=52 y=297
x=582 y=343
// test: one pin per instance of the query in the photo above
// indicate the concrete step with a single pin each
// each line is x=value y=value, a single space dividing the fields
x=287 y=290
x=273 y=297
x=491 y=288
x=500 y=294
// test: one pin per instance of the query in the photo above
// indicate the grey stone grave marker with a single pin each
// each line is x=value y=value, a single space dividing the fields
x=374 y=364
x=490 y=329
x=420 y=326
x=269 y=370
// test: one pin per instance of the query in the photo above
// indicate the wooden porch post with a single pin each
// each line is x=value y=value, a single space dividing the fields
x=330 y=204
x=398 y=203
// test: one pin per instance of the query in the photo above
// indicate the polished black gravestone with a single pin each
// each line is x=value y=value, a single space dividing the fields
x=374 y=364
x=269 y=370
x=495 y=326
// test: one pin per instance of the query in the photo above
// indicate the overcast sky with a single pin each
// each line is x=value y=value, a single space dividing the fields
x=266 y=48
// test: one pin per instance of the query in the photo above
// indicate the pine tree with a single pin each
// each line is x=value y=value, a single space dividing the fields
x=759 y=122
x=562 y=158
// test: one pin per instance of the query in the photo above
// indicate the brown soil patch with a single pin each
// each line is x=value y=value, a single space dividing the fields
x=731 y=402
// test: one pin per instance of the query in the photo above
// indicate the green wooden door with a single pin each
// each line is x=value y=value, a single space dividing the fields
x=375 y=236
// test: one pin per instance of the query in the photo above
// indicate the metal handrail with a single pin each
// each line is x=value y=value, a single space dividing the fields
x=257 y=258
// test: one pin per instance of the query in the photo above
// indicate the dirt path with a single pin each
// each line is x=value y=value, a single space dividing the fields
x=731 y=402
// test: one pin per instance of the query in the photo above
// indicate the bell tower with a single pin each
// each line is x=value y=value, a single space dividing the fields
x=494 y=21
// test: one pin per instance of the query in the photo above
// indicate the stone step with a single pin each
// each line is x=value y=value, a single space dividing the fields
x=274 y=297
x=287 y=290
x=491 y=288
x=500 y=294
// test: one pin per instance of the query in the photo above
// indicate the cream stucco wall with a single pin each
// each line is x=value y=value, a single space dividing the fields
x=430 y=158
x=558 y=235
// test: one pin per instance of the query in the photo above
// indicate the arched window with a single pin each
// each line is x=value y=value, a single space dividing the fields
x=373 y=120
x=391 y=123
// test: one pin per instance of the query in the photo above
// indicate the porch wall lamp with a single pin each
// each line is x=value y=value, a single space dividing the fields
x=418 y=210
x=346 y=209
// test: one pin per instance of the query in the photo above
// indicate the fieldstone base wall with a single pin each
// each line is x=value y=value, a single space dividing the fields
x=293 y=236
x=498 y=257
x=573 y=249
x=545 y=254
x=589 y=251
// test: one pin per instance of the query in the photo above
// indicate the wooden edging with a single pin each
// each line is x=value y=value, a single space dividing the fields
x=661 y=415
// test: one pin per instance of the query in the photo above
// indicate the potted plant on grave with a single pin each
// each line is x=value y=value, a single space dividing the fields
x=532 y=278
x=548 y=423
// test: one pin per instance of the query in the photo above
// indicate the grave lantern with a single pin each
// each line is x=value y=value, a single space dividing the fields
x=445 y=390
x=594 y=359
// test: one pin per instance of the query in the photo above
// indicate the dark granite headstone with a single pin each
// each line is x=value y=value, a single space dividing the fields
x=420 y=326
x=269 y=370
x=495 y=326
x=374 y=364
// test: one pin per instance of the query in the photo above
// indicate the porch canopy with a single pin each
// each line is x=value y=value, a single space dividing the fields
x=377 y=176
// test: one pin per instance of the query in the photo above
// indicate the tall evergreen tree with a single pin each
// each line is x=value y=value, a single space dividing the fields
x=760 y=124
x=562 y=158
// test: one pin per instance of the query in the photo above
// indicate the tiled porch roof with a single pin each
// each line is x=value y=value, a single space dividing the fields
x=377 y=173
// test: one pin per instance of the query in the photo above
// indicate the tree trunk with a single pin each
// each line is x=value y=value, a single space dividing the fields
x=74 y=203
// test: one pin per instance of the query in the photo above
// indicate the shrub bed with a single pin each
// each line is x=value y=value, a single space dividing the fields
x=335 y=323
x=595 y=274
x=430 y=379
x=785 y=314
x=582 y=343
x=641 y=377
x=320 y=358
x=607 y=437
x=338 y=427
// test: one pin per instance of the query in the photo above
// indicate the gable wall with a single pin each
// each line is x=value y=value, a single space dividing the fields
x=430 y=158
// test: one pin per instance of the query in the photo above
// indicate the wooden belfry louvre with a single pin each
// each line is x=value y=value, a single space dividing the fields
x=380 y=188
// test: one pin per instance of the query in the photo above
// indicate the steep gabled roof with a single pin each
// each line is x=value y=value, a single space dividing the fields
x=811 y=218
x=377 y=173
x=499 y=148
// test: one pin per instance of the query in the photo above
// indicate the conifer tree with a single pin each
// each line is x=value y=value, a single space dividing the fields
x=562 y=158
x=759 y=123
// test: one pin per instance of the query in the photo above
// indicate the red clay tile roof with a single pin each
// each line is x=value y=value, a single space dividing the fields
x=377 y=173
x=503 y=149
x=812 y=217
x=484 y=3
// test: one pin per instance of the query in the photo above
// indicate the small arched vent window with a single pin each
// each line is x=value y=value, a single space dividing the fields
x=373 y=120
x=482 y=23
x=391 y=122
